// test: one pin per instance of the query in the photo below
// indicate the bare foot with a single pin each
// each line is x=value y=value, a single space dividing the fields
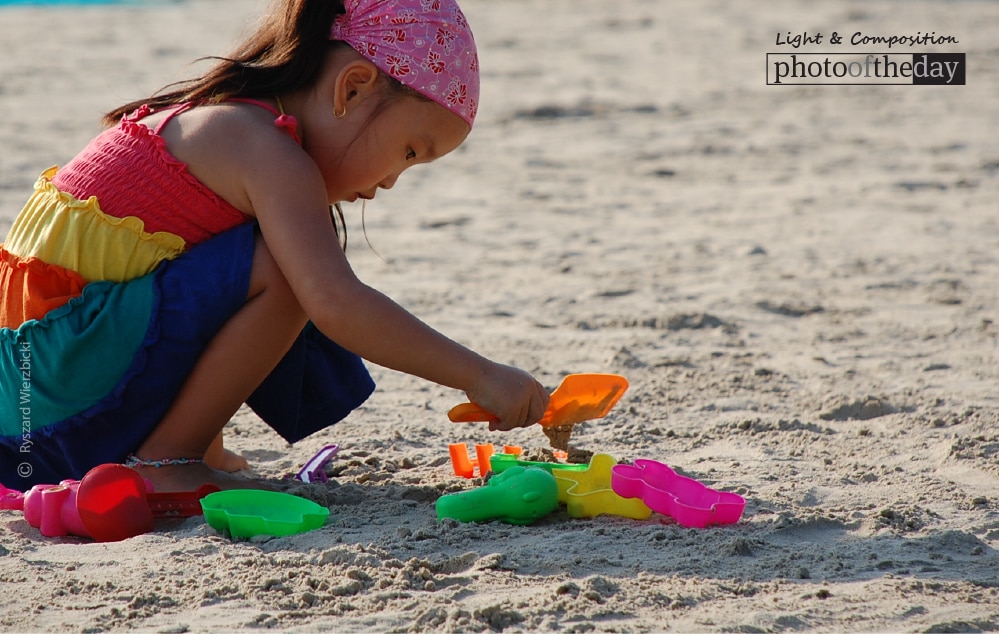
x=191 y=476
x=220 y=458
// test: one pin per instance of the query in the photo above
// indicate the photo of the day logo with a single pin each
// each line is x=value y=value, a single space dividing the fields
x=796 y=69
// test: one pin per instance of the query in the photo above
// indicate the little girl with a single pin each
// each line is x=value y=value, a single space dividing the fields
x=187 y=260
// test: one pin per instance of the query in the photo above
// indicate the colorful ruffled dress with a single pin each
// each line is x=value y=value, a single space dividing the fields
x=115 y=276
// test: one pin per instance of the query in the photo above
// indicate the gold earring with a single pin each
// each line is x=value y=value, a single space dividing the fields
x=341 y=115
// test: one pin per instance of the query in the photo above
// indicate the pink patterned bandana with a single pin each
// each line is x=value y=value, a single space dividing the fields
x=425 y=44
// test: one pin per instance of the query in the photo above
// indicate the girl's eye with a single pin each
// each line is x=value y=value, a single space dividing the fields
x=411 y=154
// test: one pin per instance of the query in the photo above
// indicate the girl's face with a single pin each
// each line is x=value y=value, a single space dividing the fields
x=371 y=146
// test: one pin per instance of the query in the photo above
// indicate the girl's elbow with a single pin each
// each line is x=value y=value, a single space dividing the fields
x=333 y=310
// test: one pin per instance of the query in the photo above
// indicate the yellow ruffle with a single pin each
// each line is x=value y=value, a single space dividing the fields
x=59 y=229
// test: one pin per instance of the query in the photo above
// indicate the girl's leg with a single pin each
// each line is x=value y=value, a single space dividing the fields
x=236 y=361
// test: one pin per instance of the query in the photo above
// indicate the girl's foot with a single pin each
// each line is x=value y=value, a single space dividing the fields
x=189 y=477
x=220 y=458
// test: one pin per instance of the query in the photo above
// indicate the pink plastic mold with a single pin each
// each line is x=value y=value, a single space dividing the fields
x=11 y=500
x=689 y=502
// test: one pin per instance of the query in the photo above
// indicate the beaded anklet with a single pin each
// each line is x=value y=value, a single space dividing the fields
x=135 y=461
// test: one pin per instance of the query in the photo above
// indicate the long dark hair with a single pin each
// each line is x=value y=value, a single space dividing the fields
x=283 y=54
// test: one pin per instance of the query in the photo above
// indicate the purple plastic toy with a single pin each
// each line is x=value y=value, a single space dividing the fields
x=689 y=502
x=315 y=469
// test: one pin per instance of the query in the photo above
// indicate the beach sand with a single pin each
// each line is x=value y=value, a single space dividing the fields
x=799 y=283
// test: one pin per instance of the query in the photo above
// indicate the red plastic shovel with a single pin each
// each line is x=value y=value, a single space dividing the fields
x=579 y=397
x=114 y=504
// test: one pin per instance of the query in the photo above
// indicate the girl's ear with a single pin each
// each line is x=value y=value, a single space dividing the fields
x=358 y=78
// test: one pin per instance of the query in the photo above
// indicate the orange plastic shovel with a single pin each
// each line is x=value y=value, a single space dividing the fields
x=579 y=397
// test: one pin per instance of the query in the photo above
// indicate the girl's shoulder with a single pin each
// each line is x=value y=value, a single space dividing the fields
x=226 y=145
x=239 y=119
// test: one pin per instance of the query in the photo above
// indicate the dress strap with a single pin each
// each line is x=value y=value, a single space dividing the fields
x=175 y=110
x=284 y=121
x=277 y=112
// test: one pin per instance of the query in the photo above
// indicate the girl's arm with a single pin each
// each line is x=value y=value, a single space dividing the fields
x=289 y=200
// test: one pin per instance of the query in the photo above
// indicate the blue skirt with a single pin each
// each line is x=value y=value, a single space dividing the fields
x=86 y=384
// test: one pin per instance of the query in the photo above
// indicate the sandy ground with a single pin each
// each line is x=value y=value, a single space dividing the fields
x=799 y=282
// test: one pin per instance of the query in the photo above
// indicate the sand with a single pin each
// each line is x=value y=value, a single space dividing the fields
x=799 y=283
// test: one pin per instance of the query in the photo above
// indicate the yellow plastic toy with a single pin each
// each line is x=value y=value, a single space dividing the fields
x=588 y=493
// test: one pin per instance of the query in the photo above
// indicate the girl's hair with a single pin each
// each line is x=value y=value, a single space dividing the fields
x=285 y=53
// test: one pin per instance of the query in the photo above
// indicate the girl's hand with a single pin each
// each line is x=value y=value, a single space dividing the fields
x=511 y=395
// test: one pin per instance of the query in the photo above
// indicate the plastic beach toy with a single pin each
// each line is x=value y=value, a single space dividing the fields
x=588 y=492
x=499 y=463
x=689 y=502
x=579 y=397
x=246 y=513
x=10 y=499
x=464 y=465
x=51 y=508
x=110 y=503
x=517 y=496
x=315 y=469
